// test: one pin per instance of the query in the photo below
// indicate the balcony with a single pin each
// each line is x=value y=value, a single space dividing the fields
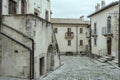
x=69 y=35
x=107 y=31
x=94 y=33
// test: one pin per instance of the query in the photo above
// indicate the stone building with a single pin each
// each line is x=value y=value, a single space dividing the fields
x=104 y=26
x=72 y=35
x=28 y=46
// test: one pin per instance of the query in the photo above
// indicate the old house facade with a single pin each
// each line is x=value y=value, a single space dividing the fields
x=28 y=46
x=72 y=35
x=104 y=28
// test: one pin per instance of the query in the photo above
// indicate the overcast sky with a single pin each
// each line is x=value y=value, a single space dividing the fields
x=74 y=8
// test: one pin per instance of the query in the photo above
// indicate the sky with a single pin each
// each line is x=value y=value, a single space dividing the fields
x=74 y=8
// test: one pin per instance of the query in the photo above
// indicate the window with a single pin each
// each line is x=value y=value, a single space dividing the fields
x=12 y=7
x=109 y=24
x=69 y=42
x=81 y=42
x=23 y=7
x=95 y=30
x=95 y=41
x=46 y=15
x=69 y=31
x=55 y=30
x=81 y=30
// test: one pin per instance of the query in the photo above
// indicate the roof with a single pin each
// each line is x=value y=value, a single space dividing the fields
x=68 y=21
x=104 y=8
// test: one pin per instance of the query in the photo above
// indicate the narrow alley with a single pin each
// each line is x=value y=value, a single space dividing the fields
x=83 y=68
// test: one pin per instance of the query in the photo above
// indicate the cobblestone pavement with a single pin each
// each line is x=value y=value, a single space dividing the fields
x=83 y=68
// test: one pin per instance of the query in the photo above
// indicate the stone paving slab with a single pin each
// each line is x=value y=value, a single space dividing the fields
x=83 y=68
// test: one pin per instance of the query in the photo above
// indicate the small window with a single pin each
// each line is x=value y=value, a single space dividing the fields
x=81 y=30
x=95 y=41
x=69 y=42
x=16 y=51
x=46 y=15
x=81 y=42
x=12 y=7
x=55 y=30
x=68 y=29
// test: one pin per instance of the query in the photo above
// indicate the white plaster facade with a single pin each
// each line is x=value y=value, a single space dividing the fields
x=100 y=19
x=28 y=45
x=62 y=25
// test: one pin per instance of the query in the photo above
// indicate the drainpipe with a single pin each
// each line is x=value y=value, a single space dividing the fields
x=119 y=38
x=90 y=41
x=77 y=40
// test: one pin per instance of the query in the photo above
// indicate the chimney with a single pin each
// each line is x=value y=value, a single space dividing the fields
x=97 y=7
x=82 y=18
x=102 y=3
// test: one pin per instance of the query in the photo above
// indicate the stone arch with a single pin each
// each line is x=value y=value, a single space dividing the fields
x=50 y=57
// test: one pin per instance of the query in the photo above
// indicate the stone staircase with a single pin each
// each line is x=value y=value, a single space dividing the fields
x=18 y=38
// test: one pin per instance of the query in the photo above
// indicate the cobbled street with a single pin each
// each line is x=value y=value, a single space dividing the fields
x=83 y=68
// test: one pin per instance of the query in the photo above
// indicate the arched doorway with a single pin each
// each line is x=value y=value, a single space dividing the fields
x=50 y=57
x=23 y=7
x=109 y=44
